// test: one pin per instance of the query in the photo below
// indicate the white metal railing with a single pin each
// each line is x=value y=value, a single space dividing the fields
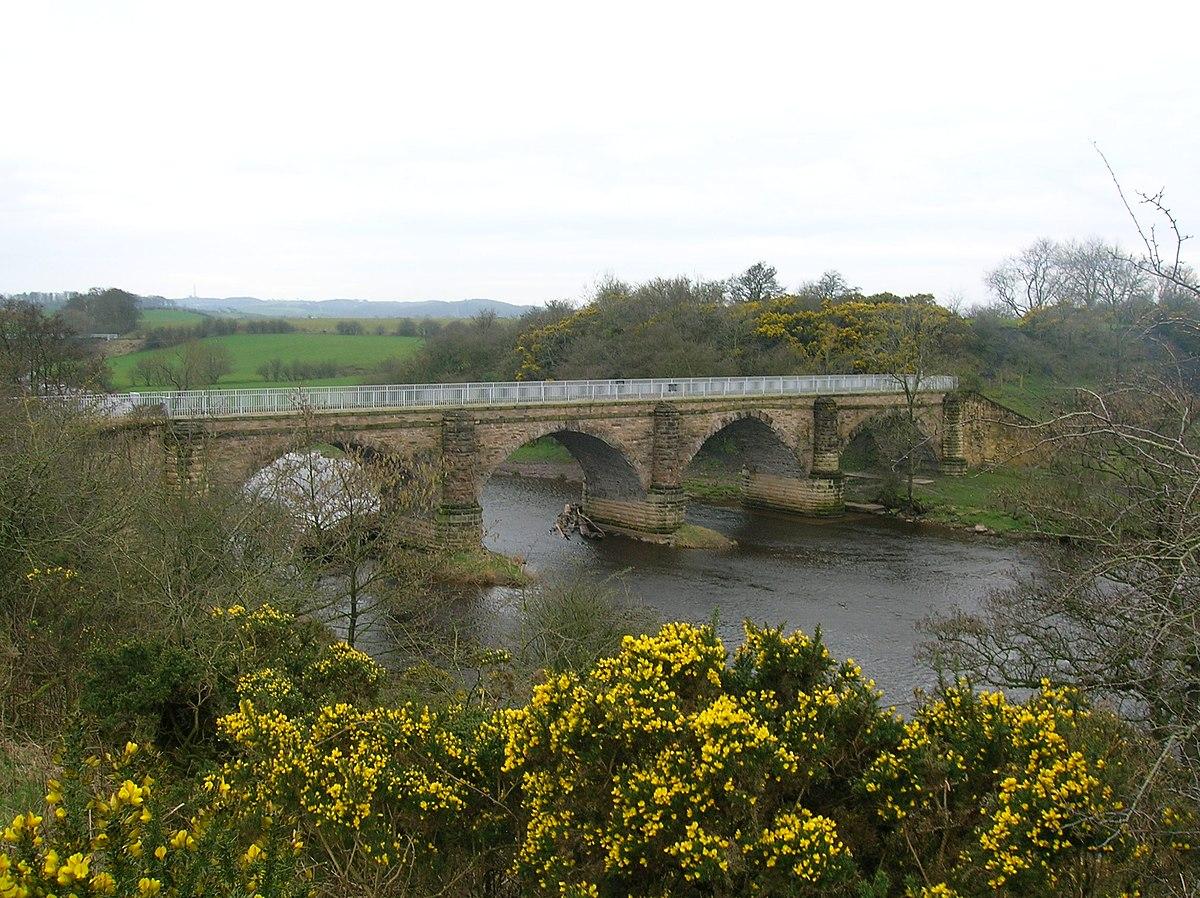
x=226 y=403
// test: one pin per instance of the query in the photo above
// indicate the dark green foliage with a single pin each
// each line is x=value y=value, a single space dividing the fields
x=149 y=690
x=110 y=311
x=212 y=326
x=679 y=327
x=267 y=326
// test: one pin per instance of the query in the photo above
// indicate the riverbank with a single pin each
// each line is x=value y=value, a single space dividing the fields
x=981 y=501
x=984 y=499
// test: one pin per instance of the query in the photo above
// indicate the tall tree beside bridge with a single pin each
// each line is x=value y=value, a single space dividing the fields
x=905 y=347
x=343 y=499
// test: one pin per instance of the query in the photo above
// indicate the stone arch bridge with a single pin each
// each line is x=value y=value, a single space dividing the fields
x=633 y=439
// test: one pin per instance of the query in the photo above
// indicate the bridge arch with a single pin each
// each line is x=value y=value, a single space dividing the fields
x=756 y=438
x=242 y=459
x=857 y=429
x=611 y=468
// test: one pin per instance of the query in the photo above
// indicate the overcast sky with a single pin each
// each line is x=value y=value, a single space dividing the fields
x=522 y=151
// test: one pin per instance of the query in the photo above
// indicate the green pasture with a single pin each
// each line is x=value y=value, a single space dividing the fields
x=248 y=352
x=1033 y=396
x=543 y=449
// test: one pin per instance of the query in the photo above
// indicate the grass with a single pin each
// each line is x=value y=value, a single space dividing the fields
x=692 y=536
x=23 y=772
x=543 y=449
x=987 y=497
x=984 y=497
x=248 y=351
x=713 y=488
x=481 y=567
x=1032 y=396
x=167 y=318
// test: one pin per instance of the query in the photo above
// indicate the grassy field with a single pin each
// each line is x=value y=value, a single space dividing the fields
x=23 y=771
x=168 y=318
x=980 y=497
x=543 y=449
x=249 y=351
x=1034 y=397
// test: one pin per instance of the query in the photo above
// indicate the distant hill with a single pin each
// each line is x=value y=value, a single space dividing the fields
x=350 y=308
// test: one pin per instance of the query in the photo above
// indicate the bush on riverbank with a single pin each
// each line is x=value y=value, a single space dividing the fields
x=668 y=768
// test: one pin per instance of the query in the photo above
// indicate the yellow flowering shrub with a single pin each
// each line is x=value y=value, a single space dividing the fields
x=665 y=770
x=393 y=792
x=1022 y=779
x=109 y=828
x=343 y=671
x=838 y=335
x=171 y=691
x=670 y=768
x=538 y=348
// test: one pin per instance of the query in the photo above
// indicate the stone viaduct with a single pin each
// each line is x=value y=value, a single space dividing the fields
x=632 y=453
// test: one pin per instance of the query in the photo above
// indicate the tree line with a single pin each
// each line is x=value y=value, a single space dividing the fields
x=1078 y=311
x=214 y=326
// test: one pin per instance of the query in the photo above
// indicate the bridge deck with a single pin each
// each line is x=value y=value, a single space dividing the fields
x=283 y=400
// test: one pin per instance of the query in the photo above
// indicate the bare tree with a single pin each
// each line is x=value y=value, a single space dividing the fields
x=188 y=366
x=1161 y=236
x=39 y=354
x=1096 y=275
x=1028 y=281
x=345 y=501
x=830 y=286
x=756 y=283
x=1119 y=615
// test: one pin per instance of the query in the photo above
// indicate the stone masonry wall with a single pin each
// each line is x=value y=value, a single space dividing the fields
x=994 y=434
x=631 y=452
x=800 y=495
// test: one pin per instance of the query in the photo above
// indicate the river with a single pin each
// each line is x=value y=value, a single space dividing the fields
x=865 y=580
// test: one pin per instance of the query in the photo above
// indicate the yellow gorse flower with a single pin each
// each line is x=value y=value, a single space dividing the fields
x=75 y=869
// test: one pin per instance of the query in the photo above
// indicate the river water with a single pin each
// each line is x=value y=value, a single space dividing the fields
x=865 y=580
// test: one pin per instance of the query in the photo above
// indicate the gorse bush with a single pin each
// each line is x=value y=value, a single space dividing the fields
x=110 y=827
x=668 y=768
